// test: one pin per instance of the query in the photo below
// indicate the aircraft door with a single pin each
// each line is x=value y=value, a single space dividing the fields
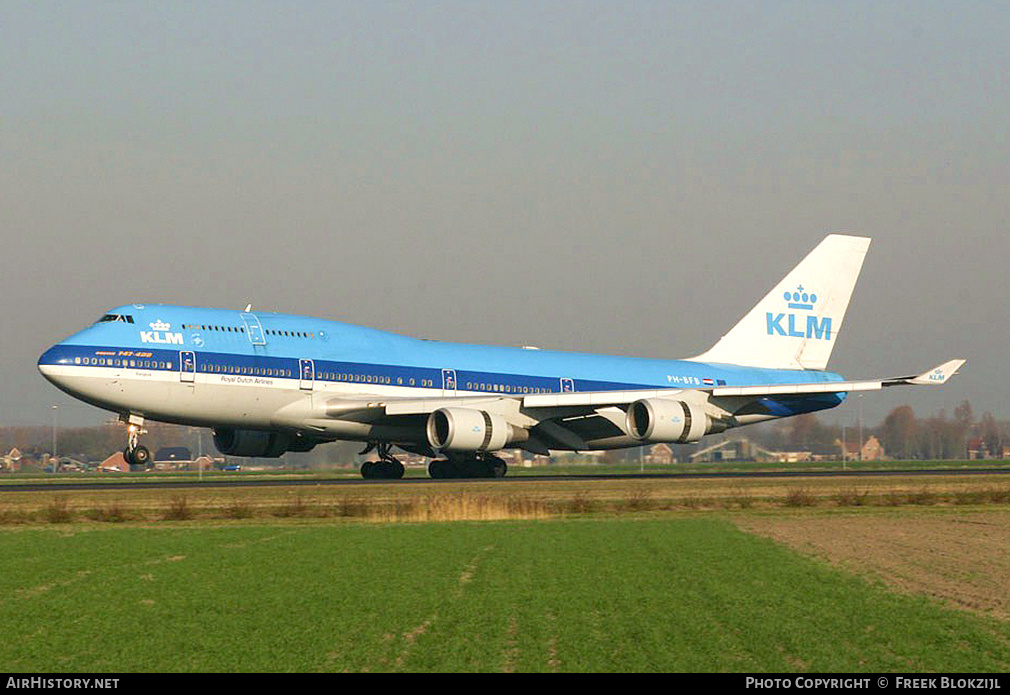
x=448 y=382
x=187 y=366
x=306 y=374
x=567 y=385
x=253 y=329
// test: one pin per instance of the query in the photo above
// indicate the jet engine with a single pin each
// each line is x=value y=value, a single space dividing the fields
x=251 y=443
x=466 y=429
x=661 y=420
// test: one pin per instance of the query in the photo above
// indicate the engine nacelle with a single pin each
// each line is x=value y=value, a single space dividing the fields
x=250 y=443
x=662 y=420
x=466 y=429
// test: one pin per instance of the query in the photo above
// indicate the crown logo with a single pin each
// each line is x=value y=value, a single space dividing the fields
x=800 y=299
x=159 y=325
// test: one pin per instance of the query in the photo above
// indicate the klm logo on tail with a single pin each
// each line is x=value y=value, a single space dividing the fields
x=795 y=325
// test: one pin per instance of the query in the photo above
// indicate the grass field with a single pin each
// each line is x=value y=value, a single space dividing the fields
x=520 y=498
x=643 y=591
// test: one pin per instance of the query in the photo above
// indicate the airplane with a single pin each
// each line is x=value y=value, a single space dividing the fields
x=268 y=383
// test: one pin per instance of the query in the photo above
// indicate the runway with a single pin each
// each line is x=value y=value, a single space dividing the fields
x=130 y=483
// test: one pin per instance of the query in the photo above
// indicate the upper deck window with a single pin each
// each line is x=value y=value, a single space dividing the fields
x=115 y=317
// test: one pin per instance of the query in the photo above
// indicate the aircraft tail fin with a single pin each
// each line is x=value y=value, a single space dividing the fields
x=796 y=325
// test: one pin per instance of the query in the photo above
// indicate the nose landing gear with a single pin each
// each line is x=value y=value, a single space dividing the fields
x=135 y=453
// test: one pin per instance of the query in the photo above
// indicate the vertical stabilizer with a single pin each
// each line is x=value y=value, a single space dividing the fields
x=796 y=325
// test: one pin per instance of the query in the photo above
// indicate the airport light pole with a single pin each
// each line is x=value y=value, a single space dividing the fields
x=843 y=446
x=860 y=427
x=56 y=454
x=199 y=453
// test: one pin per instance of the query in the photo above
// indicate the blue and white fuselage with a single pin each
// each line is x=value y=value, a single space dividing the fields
x=127 y=366
x=270 y=382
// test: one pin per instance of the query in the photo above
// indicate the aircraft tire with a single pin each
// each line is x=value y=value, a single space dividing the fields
x=141 y=456
x=440 y=469
x=498 y=467
x=384 y=470
x=472 y=468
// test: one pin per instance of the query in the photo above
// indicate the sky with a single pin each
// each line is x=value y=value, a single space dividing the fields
x=625 y=178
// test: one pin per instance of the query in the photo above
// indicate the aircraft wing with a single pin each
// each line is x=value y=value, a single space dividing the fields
x=421 y=406
x=571 y=420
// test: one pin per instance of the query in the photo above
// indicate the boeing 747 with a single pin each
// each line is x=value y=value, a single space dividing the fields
x=268 y=383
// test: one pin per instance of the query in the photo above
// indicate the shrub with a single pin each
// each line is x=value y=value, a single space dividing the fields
x=114 y=513
x=852 y=498
x=239 y=510
x=799 y=498
x=969 y=497
x=178 y=509
x=580 y=504
x=923 y=497
x=58 y=511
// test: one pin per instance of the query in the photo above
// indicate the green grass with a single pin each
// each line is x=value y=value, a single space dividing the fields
x=666 y=594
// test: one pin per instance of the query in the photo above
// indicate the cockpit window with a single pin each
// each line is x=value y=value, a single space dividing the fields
x=115 y=317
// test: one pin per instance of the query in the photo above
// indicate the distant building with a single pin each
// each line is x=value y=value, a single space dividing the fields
x=12 y=461
x=979 y=449
x=789 y=456
x=172 y=458
x=202 y=463
x=661 y=455
x=873 y=450
x=737 y=449
x=114 y=464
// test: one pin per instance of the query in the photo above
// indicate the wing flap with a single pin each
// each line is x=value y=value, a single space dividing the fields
x=794 y=389
x=595 y=398
x=423 y=406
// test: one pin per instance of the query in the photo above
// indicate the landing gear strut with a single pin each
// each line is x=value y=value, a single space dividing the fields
x=477 y=465
x=135 y=453
x=387 y=467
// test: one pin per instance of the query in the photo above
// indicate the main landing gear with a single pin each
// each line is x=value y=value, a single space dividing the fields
x=135 y=453
x=475 y=465
x=387 y=467
x=455 y=465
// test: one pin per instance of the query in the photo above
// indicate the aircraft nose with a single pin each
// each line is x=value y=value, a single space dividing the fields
x=50 y=362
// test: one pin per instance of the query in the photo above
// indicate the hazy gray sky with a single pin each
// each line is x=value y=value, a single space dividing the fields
x=617 y=177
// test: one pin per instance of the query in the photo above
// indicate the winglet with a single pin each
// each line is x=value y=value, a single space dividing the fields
x=940 y=374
